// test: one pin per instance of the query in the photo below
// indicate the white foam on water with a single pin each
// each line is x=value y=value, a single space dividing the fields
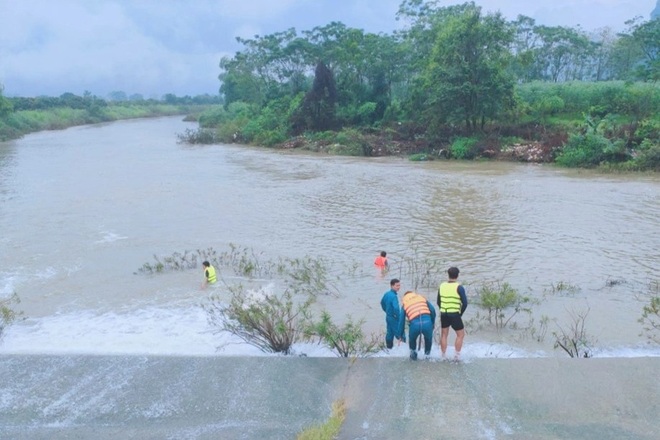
x=109 y=237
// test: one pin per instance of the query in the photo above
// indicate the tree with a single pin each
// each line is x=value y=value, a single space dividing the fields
x=467 y=77
x=318 y=109
x=5 y=105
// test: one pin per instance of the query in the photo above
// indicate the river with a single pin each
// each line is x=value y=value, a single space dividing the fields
x=82 y=209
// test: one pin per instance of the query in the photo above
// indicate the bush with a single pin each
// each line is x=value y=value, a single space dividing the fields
x=650 y=319
x=584 y=150
x=7 y=314
x=464 y=148
x=498 y=298
x=270 y=322
x=346 y=341
x=575 y=341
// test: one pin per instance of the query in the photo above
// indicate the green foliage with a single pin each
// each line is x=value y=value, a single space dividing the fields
x=586 y=150
x=271 y=322
x=328 y=430
x=464 y=148
x=213 y=117
x=563 y=288
x=7 y=313
x=419 y=157
x=199 y=136
x=348 y=340
x=575 y=340
x=640 y=100
x=498 y=300
x=650 y=318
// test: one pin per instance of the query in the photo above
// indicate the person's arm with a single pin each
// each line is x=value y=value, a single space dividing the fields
x=464 y=301
x=439 y=301
x=432 y=310
x=382 y=304
x=393 y=308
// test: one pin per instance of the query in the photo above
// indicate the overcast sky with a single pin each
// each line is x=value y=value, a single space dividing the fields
x=153 y=47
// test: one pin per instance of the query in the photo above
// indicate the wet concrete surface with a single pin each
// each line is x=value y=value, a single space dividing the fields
x=150 y=397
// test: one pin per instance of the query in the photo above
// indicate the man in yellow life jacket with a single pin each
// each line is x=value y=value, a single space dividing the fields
x=452 y=302
x=421 y=319
x=209 y=274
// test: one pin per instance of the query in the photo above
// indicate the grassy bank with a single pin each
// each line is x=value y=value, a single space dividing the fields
x=18 y=123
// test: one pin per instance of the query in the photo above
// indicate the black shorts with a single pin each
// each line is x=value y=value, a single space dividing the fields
x=451 y=319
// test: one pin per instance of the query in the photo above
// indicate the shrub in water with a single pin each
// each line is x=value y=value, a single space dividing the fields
x=268 y=321
x=348 y=340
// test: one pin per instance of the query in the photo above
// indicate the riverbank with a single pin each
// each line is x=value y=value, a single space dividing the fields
x=150 y=397
x=16 y=124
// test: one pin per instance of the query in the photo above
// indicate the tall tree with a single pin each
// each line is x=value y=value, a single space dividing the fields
x=467 y=77
x=318 y=110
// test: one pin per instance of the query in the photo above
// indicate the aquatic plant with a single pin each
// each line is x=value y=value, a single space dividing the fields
x=7 y=313
x=348 y=340
x=269 y=321
x=575 y=340
x=419 y=270
x=650 y=319
x=562 y=288
x=502 y=302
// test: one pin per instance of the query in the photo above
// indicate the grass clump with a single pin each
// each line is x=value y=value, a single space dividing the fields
x=330 y=429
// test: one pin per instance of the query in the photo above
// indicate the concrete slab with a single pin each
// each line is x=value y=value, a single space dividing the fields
x=149 y=397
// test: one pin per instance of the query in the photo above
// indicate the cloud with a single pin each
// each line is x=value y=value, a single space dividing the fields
x=154 y=47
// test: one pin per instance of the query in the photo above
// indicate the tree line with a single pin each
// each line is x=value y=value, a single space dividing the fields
x=451 y=70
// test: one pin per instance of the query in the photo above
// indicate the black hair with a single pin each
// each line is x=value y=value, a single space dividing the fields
x=393 y=281
x=206 y=264
x=453 y=272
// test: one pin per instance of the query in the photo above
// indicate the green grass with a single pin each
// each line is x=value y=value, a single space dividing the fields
x=330 y=429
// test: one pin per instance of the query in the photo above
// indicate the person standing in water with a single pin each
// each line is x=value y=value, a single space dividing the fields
x=209 y=274
x=381 y=261
x=452 y=302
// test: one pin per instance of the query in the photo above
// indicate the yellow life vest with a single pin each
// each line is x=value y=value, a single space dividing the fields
x=415 y=305
x=450 y=300
x=211 y=274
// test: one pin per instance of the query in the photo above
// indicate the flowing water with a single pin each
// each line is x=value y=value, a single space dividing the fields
x=81 y=210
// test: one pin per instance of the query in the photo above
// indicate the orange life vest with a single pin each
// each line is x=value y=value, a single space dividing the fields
x=415 y=305
x=381 y=261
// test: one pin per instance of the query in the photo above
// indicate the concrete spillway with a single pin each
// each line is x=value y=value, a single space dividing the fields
x=147 y=397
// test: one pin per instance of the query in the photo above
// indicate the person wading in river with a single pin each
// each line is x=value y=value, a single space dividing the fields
x=452 y=302
x=209 y=274
x=381 y=261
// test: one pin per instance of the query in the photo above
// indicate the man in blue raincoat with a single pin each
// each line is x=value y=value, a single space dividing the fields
x=390 y=305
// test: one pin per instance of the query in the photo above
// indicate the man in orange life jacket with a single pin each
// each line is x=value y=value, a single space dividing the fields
x=421 y=319
x=452 y=302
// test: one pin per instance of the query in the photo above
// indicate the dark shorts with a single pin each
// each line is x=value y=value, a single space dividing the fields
x=451 y=319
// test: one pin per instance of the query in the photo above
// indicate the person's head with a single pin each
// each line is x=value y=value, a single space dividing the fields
x=395 y=284
x=407 y=292
x=206 y=264
x=453 y=273
x=383 y=254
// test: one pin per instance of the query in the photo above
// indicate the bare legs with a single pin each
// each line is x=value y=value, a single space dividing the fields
x=460 y=335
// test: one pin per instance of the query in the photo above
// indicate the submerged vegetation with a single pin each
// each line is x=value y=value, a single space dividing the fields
x=8 y=314
x=273 y=304
x=435 y=90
